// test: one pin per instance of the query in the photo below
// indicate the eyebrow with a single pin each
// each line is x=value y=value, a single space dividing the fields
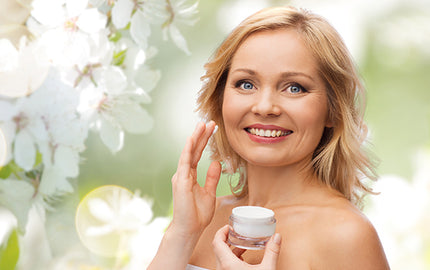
x=283 y=74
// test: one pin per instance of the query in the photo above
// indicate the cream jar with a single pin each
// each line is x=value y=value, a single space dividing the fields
x=251 y=227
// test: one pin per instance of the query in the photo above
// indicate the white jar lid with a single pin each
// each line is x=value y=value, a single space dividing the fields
x=253 y=213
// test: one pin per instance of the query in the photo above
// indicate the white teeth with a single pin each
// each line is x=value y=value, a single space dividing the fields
x=268 y=133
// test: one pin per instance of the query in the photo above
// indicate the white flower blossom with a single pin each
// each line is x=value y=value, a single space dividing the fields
x=178 y=12
x=17 y=196
x=120 y=214
x=84 y=65
x=110 y=218
x=111 y=108
x=47 y=122
x=139 y=14
x=144 y=245
x=26 y=127
x=67 y=28
x=22 y=70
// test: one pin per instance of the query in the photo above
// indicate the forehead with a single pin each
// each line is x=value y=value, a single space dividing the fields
x=277 y=50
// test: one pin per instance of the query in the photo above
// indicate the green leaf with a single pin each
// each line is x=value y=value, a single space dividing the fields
x=9 y=253
x=119 y=57
x=115 y=36
x=39 y=158
x=5 y=171
x=10 y=168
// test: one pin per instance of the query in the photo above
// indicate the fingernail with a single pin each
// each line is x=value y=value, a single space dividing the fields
x=277 y=239
x=215 y=129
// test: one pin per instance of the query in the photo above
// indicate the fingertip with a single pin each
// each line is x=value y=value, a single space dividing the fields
x=215 y=129
x=220 y=236
x=199 y=127
x=211 y=122
x=277 y=239
x=272 y=251
x=274 y=244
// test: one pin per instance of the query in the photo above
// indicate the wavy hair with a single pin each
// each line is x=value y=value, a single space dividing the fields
x=340 y=160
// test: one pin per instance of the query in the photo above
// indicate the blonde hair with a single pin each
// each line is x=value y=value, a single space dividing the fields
x=340 y=160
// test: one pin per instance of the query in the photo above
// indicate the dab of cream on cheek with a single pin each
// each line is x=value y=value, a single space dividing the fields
x=251 y=227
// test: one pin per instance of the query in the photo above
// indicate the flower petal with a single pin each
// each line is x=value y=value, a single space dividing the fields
x=101 y=210
x=53 y=182
x=142 y=96
x=114 y=80
x=76 y=7
x=67 y=160
x=48 y=12
x=147 y=78
x=121 y=13
x=134 y=118
x=139 y=210
x=178 y=39
x=24 y=150
x=91 y=21
x=12 y=84
x=16 y=195
x=7 y=111
x=7 y=135
x=140 y=29
x=112 y=136
x=8 y=55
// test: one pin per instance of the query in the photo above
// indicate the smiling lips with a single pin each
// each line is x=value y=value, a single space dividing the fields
x=267 y=133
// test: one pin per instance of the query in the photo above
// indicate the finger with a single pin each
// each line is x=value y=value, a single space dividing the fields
x=226 y=258
x=272 y=252
x=212 y=178
x=201 y=142
x=196 y=133
x=183 y=170
x=221 y=249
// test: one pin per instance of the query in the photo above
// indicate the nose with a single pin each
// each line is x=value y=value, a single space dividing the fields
x=266 y=103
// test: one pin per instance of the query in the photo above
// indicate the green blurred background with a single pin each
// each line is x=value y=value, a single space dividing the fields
x=389 y=39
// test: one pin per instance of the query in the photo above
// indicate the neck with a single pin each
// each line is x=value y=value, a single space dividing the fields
x=273 y=187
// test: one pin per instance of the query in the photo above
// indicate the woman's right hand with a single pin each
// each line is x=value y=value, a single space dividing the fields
x=194 y=205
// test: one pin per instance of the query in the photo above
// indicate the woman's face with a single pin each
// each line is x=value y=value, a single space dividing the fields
x=275 y=104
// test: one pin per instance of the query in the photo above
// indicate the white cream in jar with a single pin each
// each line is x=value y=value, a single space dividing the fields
x=251 y=227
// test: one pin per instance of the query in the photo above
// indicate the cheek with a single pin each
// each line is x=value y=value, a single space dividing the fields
x=230 y=108
x=311 y=116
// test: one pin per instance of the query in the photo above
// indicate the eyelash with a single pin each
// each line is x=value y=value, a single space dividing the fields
x=239 y=84
x=302 y=89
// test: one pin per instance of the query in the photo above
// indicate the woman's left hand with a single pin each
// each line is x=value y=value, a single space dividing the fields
x=231 y=259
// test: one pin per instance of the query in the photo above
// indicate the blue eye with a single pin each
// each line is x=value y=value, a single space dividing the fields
x=296 y=89
x=245 y=85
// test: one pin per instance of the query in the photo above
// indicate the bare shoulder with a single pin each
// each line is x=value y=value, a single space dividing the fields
x=346 y=239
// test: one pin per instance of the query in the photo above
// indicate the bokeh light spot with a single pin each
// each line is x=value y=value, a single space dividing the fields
x=96 y=218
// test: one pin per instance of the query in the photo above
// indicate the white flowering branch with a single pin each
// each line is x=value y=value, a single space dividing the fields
x=80 y=69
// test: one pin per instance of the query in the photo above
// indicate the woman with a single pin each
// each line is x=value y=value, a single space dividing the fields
x=285 y=94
